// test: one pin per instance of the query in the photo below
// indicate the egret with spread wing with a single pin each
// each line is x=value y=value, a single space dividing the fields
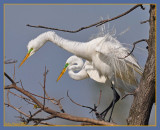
x=106 y=54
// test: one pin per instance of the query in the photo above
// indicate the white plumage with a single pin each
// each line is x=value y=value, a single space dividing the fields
x=104 y=54
x=104 y=60
x=86 y=70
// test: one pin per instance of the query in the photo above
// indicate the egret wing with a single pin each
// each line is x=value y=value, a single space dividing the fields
x=93 y=73
x=127 y=70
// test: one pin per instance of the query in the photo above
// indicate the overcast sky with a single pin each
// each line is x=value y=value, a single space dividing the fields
x=71 y=17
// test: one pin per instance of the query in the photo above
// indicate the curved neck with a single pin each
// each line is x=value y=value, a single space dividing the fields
x=79 y=75
x=76 y=48
x=76 y=64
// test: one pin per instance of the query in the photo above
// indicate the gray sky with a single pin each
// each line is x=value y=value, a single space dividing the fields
x=71 y=17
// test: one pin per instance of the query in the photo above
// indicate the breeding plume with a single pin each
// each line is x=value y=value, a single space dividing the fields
x=105 y=55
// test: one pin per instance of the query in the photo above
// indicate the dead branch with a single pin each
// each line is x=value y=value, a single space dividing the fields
x=41 y=119
x=94 y=109
x=21 y=84
x=56 y=102
x=92 y=25
x=32 y=115
x=99 y=100
x=10 y=61
x=52 y=112
x=14 y=72
x=125 y=13
x=9 y=78
x=44 y=88
x=24 y=120
x=134 y=44
x=9 y=105
x=127 y=95
x=146 y=21
x=22 y=97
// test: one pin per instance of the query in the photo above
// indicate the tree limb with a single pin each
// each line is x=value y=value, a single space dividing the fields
x=92 y=25
x=134 y=44
x=145 y=94
x=53 y=112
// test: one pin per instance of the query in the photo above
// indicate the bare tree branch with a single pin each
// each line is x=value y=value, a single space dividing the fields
x=95 y=24
x=9 y=78
x=99 y=100
x=94 y=109
x=144 y=21
x=53 y=112
x=22 y=97
x=44 y=87
x=10 y=61
x=7 y=104
x=134 y=44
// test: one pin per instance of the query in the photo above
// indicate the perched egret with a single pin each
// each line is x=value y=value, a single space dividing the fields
x=105 y=54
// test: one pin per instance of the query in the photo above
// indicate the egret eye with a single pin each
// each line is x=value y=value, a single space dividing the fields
x=30 y=50
x=66 y=65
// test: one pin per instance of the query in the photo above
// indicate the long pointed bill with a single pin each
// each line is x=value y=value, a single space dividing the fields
x=63 y=71
x=26 y=57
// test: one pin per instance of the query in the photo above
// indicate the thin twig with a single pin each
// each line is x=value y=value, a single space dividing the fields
x=42 y=119
x=8 y=97
x=10 y=61
x=144 y=21
x=7 y=104
x=99 y=98
x=92 y=109
x=134 y=44
x=12 y=86
x=95 y=24
x=14 y=73
x=125 y=13
x=53 y=112
x=21 y=84
x=48 y=98
x=56 y=102
x=36 y=113
x=22 y=97
x=127 y=95
x=41 y=96
x=9 y=78
x=44 y=88
x=32 y=115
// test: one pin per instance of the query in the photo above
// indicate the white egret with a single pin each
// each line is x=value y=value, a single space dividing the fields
x=86 y=70
x=106 y=54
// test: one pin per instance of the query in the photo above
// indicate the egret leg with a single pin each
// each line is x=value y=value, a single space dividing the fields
x=111 y=106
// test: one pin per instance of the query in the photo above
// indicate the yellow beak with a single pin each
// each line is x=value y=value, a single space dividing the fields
x=63 y=71
x=26 y=57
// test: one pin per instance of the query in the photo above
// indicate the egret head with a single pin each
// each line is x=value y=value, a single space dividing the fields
x=72 y=63
x=63 y=71
x=32 y=48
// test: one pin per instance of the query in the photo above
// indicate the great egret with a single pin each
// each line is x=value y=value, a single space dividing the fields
x=86 y=70
x=106 y=55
